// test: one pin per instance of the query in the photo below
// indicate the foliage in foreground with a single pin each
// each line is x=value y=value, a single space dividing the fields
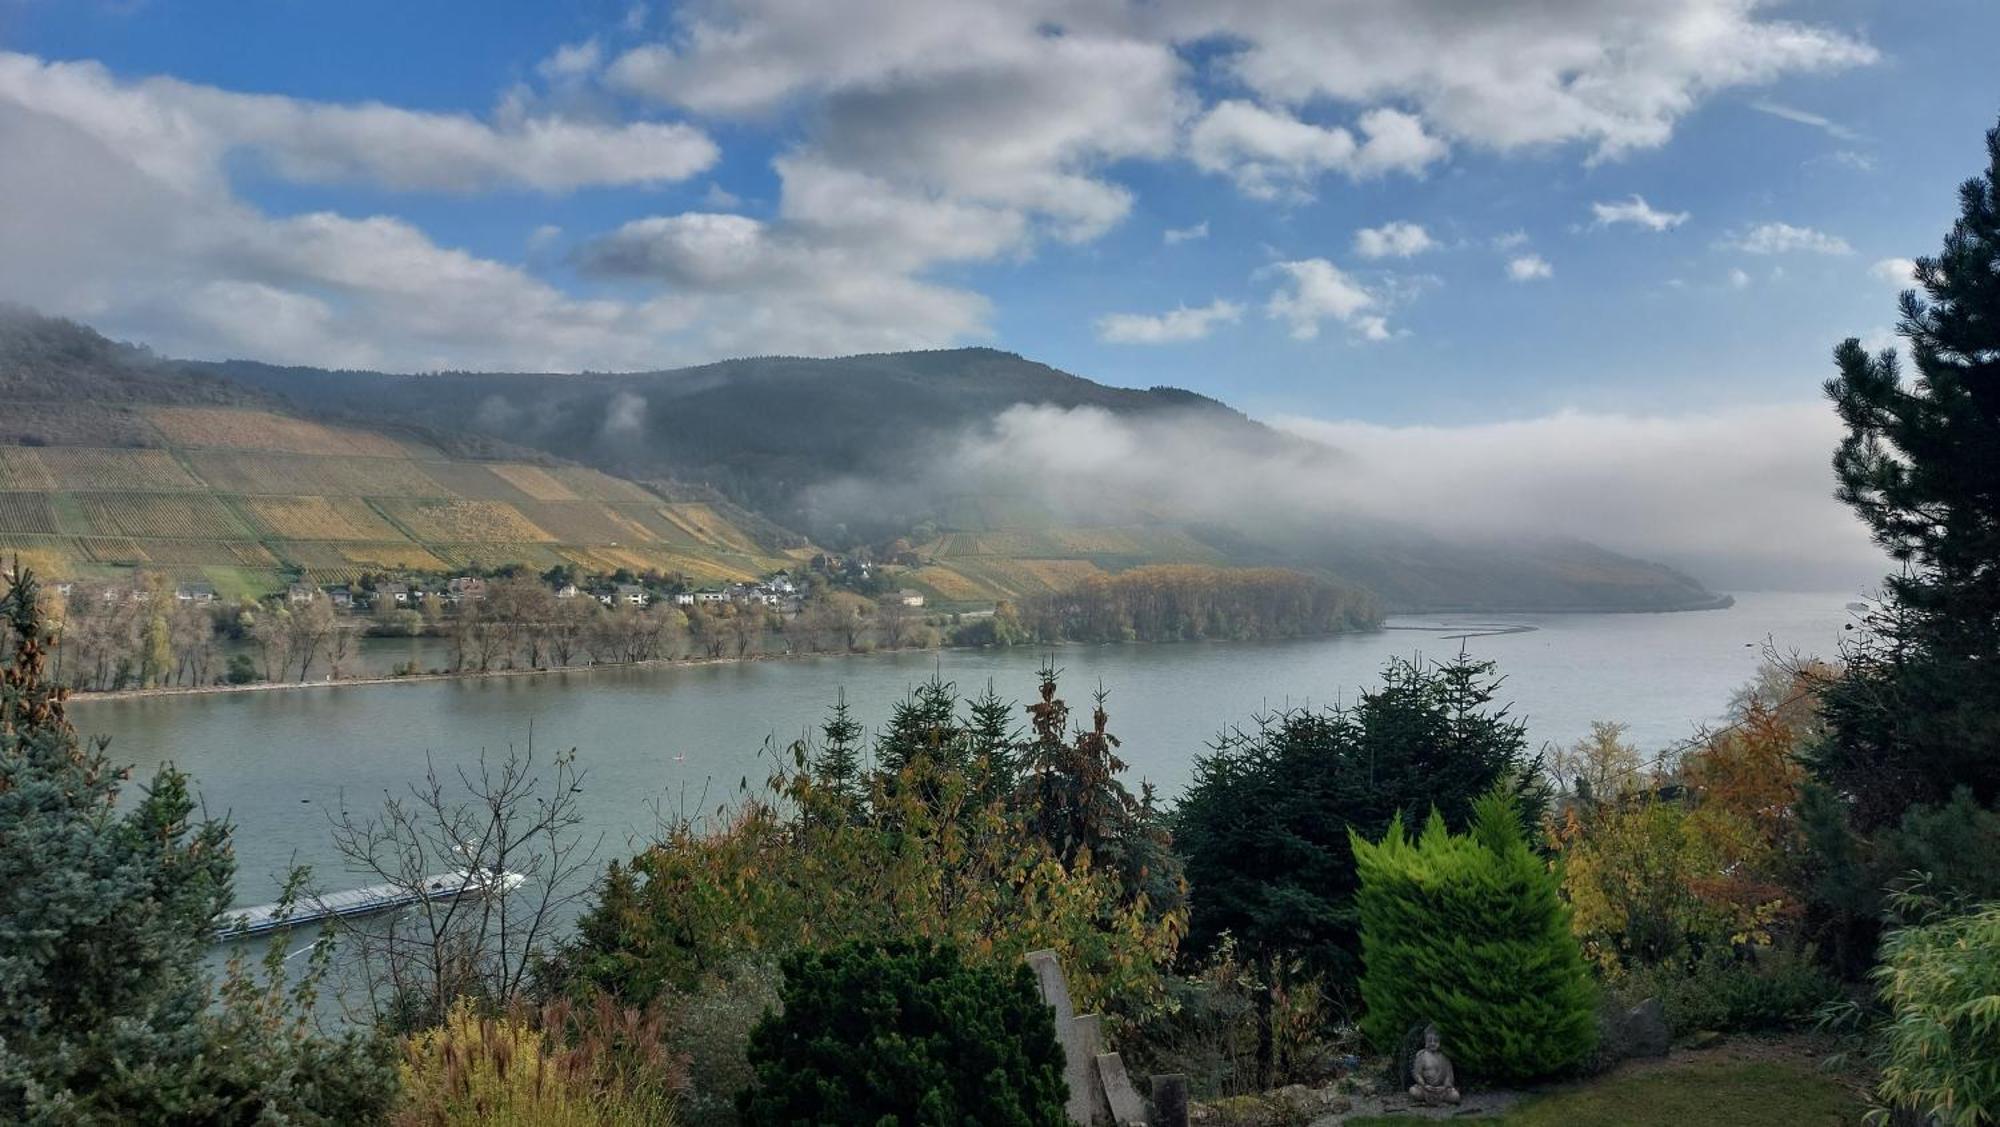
x=1264 y=827
x=939 y=843
x=1468 y=932
x=105 y=916
x=905 y=1033
x=604 y=1067
x=1941 y=1043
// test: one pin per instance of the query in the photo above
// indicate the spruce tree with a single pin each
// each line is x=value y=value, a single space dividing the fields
x=1917 y=712
x=837 y=766
x=993 y=745
x=105 y=917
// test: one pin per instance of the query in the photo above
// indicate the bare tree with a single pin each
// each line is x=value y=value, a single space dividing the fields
x=512 y=838
x=309 y=624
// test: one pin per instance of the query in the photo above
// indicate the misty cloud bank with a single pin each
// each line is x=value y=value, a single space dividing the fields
x=1741 y=498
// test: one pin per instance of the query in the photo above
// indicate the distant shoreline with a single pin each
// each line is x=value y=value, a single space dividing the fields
x=1465 y=630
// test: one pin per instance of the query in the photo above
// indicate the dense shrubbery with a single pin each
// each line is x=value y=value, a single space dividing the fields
x=966 y=833
x=1265 y=825
x=1733 y=991
x=1469 y=932
x=1941 y=983
x=905 y=1033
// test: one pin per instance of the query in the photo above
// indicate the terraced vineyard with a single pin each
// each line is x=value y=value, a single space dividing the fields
x=250 y=498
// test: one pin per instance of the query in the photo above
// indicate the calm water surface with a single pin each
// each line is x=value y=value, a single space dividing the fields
x=278 y=762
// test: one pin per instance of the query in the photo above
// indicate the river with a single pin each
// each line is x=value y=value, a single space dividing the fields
x=278 y=762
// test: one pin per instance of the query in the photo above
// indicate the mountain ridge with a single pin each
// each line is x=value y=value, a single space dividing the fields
x=770 y=437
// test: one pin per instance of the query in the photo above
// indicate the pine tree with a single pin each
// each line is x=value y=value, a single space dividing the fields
x=1264 y=826
x=1918 y=709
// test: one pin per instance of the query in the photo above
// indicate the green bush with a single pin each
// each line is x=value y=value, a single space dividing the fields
x=905 y=1033
x=1728 y=991
x=1941 y=1045
x=1468 y=932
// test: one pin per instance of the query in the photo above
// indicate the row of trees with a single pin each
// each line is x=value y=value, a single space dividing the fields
x=1187 y=602
x=138 y=635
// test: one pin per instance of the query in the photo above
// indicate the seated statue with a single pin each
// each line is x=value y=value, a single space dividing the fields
x=1432 y=1081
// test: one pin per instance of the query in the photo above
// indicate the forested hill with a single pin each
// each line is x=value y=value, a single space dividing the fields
x=762 y=430
x=845 y=453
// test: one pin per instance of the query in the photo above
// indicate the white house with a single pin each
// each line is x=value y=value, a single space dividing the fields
x=910 y=598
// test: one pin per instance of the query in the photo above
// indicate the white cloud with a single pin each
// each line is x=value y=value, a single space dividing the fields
x=572 y=61
x=1824 y=124
x=1176 y=325
x=1738 y=278
x=1175 y=235
x=1637 y=212
x=1272 y=155
x=1783 y=238
x=1314 y=290
x=1899 y=272
x=914 y=136
x=1393 y=240
x=1529 y=268
x=1616 y=75
x=1510 y=241
x=181 y=133
x=157 y=248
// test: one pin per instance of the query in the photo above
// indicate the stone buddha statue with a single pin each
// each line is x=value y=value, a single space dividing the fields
x=1432 y=1082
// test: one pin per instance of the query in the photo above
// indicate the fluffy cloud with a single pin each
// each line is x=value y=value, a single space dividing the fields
x=1173 y=236
x=1612 y=74
x=915 y=138
x=1271 y=154
x=1179 y=324
x=123 y=216
x=1313 y=290
x=1529 y=268
x=1899 y=272
x=760 y=288
x=181 y=133
x=1638 y=213
x=1783 y=238
x=1392 y=240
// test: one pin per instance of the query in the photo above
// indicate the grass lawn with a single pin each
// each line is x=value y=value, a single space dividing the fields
x=1716 y=1092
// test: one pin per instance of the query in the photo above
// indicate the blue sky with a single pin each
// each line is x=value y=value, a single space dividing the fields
x=1626 y=318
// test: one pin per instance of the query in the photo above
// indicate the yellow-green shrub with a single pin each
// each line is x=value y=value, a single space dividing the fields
x=602 y=1068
